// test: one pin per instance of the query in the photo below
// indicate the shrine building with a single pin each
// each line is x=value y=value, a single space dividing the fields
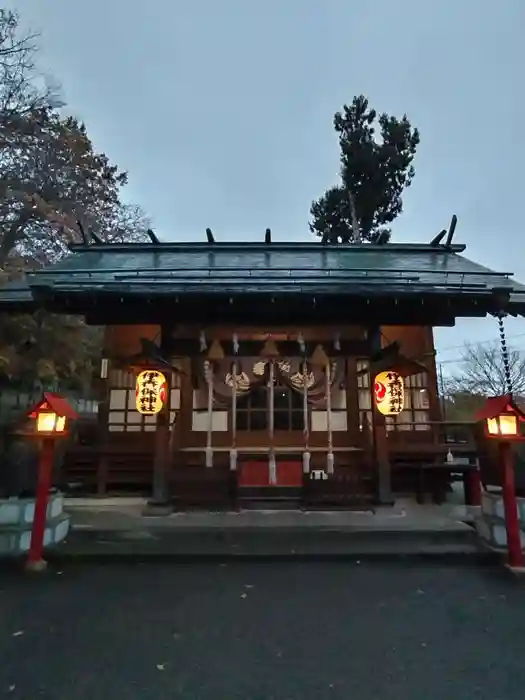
x=292 y=374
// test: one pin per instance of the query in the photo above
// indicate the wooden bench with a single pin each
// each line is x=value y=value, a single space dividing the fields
x=422 y=476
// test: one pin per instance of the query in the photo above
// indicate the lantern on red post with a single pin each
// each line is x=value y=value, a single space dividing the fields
x=501 y=421
x=501 y=418
x=48 y=421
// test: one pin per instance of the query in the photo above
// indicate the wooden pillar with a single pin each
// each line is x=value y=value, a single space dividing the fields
x=184 y=423
x=161 y=458
x=384 y=480
x=352 y=402
x=435 y=409
x=102 y=474
x=103 y=396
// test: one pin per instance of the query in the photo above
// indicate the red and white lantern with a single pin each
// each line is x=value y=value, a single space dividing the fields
x=151 y=391
x=389 y=392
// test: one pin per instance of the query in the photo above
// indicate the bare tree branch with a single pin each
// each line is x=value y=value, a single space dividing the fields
x=23 y=89
x=482 y=372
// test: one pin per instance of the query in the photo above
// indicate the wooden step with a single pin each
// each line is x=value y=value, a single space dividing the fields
x=269 y=497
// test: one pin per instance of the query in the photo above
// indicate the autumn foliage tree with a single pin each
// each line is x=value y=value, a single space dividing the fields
x=51 y=178
x=377 y=152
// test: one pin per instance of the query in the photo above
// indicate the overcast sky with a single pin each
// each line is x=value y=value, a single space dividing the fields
x=222 y=111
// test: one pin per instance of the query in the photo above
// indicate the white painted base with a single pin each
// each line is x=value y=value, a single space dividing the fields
x=516 y=570
x=16 y=521
x=14 y=511
x=490 y=521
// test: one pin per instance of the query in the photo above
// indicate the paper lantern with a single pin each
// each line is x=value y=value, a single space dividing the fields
x=389 y=390
x=150 y=392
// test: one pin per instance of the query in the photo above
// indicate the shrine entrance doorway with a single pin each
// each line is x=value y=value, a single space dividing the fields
x=253 y=430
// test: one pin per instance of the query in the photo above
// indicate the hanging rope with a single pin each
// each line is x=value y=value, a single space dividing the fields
x=504 y=352
x=306 y=428
x=233 y=450
x=209 y=450
x=330 y=455
x=271 y=456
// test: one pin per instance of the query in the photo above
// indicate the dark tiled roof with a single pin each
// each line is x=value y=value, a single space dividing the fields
x=300 y=268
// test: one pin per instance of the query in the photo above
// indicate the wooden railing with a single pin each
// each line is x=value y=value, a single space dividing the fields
x=437 y=432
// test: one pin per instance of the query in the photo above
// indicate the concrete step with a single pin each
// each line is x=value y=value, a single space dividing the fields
x=269 y=543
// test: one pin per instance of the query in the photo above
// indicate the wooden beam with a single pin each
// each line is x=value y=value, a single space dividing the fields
x=162 y=457
x=280 y=313
x=252 y=348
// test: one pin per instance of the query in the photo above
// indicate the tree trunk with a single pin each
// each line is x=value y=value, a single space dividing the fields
x=12 y=236
x=356 y=236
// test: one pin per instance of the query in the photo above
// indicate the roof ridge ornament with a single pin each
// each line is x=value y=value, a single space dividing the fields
x=152 y=236
x=86 y=235
x=451 y=230
x=96 y=239
x=85 y=239
x=437 y=239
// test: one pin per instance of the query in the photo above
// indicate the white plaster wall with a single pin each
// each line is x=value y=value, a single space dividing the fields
x=135 y=420
x=117 y=399
x=219 y=421
x=319 y=421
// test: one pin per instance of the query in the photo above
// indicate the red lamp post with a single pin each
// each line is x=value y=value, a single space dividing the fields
x=501 y=418
x=49 y=422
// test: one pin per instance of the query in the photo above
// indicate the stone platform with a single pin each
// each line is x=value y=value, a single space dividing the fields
x=116 y=528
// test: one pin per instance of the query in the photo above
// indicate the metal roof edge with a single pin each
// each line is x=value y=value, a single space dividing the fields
x=16 y=291
x=261 y=246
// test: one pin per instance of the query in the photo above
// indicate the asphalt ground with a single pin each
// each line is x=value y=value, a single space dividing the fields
x=262 y=631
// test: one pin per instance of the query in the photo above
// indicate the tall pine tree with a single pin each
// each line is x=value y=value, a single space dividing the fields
x=375 y=170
